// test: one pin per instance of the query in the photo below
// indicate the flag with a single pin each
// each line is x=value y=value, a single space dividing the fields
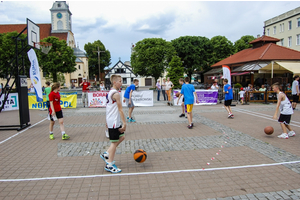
x=35 y=75
x=226 y=73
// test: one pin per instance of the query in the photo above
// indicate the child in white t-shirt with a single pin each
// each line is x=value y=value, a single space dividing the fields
x=242 y=92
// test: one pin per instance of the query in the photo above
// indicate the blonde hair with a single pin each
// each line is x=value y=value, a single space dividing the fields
x=55 y=86
x=114 y=77
x=276 y=85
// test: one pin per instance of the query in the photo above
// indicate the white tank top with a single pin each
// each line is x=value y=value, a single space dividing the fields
x=112 y=112
x=285 y=106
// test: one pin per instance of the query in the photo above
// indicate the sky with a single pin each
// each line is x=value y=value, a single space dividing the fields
x=119 y=24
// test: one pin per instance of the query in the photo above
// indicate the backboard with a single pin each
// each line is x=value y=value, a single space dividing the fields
x=33 y=34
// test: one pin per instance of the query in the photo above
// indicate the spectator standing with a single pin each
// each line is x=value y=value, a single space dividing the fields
x=31 y=89
x=215 y=85
x=169 y=86
x=295 y=91
x=262 y=89
x=102 y=86
x=241 y=93
x=289 y=88
x=47 y=92
x=163 y=88
x=85 y=88
x=158 y=88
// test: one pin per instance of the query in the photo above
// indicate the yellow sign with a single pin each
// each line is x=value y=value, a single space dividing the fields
x=67 y=100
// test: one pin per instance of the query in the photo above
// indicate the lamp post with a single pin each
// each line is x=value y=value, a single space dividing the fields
x=99 y=61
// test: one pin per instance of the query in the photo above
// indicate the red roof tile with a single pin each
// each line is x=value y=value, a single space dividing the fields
x=45 y=30
x=269 y=51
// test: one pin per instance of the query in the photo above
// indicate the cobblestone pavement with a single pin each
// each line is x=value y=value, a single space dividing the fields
x=73 y=170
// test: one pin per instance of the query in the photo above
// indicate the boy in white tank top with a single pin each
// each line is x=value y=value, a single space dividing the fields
x=286 y=111
x=114 y=113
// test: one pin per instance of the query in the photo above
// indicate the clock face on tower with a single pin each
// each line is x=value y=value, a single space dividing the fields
x=59 y=15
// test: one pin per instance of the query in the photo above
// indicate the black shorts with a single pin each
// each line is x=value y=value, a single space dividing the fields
x=183 y=99
x=227 y=102
x=295 y=98
x=115 y=134
x=284 y=119
x=58 y=114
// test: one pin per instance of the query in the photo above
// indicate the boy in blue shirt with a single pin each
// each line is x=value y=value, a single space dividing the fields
x=128 y=100
x=188 y=91
x=228 y=97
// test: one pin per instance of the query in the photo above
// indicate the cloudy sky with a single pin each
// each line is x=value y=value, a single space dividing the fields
x=118 y=24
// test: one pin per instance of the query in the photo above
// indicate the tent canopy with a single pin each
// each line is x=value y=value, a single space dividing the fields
x=282 y=67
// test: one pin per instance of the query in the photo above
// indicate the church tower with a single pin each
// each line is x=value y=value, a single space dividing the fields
x=61 y=20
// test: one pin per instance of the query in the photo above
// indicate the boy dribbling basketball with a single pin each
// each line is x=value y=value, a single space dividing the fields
x=114 y=112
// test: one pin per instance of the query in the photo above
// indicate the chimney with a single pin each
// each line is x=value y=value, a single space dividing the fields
x=258 y=35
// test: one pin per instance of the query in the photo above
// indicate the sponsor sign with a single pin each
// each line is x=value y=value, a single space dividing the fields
x=205 y=97
x=11 y=103
x=97 y=99
x=140 y=98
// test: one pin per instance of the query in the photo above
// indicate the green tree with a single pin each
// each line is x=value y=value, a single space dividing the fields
x=222 y=48
x=91 y=51
x=59 y=59
x=175 y=71
x=7 y=54
x=60 y=78
x=243 y=43
x=151 y=56
x=194 y=51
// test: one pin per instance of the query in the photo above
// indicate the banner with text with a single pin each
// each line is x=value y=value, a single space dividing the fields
x=97 y=99
x=11 y=103
x=67 y=100
x=140 y=98
x=205 y=97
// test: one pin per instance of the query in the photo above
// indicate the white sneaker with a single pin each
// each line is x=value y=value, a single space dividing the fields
x=106 y=133
x=291 y=133
x=283 y=136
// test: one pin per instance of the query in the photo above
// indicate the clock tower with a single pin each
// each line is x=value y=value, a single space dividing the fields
x=61 y=20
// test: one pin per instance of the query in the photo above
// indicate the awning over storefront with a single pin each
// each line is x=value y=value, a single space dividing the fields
x=214 y=71
x=253 y=66
x=281 y=67
x=239 y=73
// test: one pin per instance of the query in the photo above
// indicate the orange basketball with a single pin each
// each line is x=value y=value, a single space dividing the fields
x=177 y=94
x=269 y=130
x=140 y=155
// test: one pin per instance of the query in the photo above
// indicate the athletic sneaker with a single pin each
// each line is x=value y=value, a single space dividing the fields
x=230 y=115
x=192 y=124
x=189 y=126
x=51 y=137
x=104 y=156
x=111 y=167
x=182 y=115
x=291 y=133
x=127 y=119
x=283 y=136
x=65 y=137
x=131 y=120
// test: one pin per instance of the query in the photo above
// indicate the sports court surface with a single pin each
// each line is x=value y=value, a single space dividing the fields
x=219 y=158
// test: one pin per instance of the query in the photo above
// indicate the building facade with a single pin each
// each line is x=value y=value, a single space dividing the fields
x=286 y=28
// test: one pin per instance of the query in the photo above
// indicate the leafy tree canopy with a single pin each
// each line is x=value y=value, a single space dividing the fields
x=243 y=43
x=151 y=56
x=175 y=71
x=7 y=54
x=222 y=48
x=105 y=58
x=194 y=51
x=59 y=59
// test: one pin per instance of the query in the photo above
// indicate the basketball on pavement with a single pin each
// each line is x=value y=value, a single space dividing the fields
x=269 y=130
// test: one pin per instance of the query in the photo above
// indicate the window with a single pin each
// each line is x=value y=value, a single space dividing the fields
x=281 y=42
x=274 y=30
x=131 y=80
x=124 y=80
x=59 y=25
x=298 y=22
x=78 y=66
x=280 y=25
x=298 y=39
x=79 y=74
x=290 y=41
x=120 y=71
x=58 y=5
x=268 y=32
x=290 y=25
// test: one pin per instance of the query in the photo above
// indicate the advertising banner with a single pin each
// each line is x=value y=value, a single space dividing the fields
x=11 y=102
x=97 y=99
x=227 y=73
x=205 y=97
x=67 y=100
x=140 y=98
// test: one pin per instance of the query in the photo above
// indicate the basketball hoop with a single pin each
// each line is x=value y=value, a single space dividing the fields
x=44 y=46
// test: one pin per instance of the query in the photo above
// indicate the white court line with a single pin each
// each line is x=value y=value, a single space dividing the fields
x=147 y=173
x=291 y=124
x=262 y=114
x=22 y=131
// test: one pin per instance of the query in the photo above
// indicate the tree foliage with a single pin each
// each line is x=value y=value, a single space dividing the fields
x=194 y=51
x=151 y=56
x=59 y=59
x=105 y=57
x=243 y=43
x=8 y=53
x=175 y=71
x=222 y=48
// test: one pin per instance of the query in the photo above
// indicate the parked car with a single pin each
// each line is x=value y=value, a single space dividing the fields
x=198 y=85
